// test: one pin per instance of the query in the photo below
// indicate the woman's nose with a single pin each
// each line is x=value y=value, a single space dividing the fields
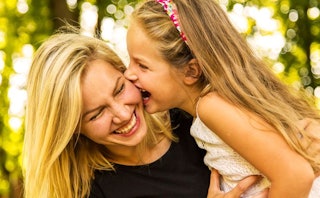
x=121 y=113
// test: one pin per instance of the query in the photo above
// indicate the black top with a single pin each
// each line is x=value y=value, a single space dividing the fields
x=179 y=173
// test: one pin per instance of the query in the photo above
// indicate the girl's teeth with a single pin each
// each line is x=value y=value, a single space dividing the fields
x=127 y=128
x=145 y=94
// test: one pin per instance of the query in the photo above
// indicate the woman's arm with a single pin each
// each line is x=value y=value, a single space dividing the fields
x=290 y=174
x=215 y=192
x=310 y=141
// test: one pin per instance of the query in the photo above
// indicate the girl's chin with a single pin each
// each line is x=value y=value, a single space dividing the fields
x=152 y=109
x=149 y=110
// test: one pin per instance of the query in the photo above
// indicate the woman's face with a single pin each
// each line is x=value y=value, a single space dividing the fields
x=112 y=107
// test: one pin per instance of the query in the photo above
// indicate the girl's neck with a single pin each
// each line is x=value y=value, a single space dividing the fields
x=192 y=97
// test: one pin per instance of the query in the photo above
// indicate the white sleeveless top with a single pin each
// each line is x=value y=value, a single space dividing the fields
x=231 y=166
x=315 y=190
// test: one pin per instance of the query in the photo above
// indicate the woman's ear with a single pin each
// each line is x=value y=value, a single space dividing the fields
x=192 y=72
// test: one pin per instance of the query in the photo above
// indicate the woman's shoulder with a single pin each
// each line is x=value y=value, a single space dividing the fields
x=180 y=120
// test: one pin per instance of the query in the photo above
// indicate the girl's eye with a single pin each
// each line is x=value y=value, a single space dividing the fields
x=143 y=66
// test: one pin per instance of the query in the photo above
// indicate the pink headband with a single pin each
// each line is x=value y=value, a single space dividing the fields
x=172 y=11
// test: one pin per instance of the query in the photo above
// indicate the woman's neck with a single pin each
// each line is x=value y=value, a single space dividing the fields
x=134 y=156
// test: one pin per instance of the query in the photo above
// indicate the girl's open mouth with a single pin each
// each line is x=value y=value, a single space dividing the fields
x=145 y=94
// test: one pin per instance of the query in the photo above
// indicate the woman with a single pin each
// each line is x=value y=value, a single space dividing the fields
x=63 y=143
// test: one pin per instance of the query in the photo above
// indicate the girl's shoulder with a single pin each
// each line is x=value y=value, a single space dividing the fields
x=211 y=96
x=213 y=108
x=212 y=102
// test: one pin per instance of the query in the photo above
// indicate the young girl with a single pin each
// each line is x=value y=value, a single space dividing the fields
x=186 y=54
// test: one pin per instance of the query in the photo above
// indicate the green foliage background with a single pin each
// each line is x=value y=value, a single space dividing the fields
x=42 y=18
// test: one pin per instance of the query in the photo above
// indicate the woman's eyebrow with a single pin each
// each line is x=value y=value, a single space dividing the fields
x=92 y=110
x=116 y=85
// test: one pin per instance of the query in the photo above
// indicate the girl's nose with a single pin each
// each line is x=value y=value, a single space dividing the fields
x=130 y=75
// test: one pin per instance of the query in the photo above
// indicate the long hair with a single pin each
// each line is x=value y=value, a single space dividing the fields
x=229 y=66
x=57 y=161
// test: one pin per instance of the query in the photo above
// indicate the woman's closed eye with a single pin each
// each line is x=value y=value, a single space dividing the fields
x=97 y=115
x=120 y=89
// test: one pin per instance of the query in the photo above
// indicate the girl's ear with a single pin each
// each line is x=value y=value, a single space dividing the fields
x=192 y=72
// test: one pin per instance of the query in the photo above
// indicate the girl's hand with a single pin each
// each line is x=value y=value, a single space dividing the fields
x=215 y=192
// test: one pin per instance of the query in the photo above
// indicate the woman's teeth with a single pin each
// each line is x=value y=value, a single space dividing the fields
x=127 y=128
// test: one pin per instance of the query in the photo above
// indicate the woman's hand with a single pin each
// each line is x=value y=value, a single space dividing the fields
x=311 y=144
x=312 y=130
x=214 y=188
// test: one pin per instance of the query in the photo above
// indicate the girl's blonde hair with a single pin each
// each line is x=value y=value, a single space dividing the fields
x=57 y=161
x=229 y=66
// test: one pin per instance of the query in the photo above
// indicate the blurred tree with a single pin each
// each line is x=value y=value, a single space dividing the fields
x=299 y=22
x=62 y=13
x=301 y=25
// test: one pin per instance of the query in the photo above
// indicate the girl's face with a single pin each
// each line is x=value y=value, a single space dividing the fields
x=159 y=82
x=112 y=107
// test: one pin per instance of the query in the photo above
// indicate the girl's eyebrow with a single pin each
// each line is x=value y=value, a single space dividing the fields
x=96 y=108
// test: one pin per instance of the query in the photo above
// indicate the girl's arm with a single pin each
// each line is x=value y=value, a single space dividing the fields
x=255 y=140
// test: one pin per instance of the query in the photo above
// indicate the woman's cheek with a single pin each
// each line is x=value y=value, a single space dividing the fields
x=95 y=127
x=134 y=93
x=96 y=131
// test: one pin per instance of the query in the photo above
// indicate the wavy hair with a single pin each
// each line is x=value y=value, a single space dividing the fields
x=57 y=161
x=229 y=66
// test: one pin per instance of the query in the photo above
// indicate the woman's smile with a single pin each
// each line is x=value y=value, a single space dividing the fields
x=130 y=127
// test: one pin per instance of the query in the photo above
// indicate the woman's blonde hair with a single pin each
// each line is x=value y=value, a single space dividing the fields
x=229 y=66
x=57 y=161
